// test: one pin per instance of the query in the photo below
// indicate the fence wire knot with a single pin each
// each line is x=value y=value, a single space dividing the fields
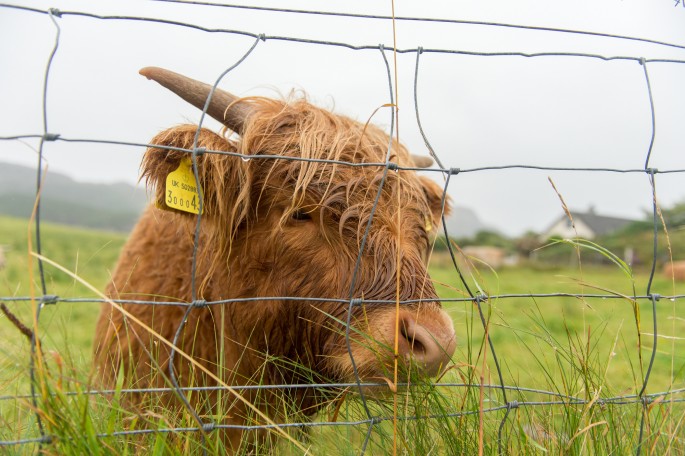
x=199 y=303
x=208 y=427
x=454 y=171
x=199 y=151
x=47 y=439
x=480 y=298
x=512 y=405
x=392 y=166
x=655 y=296
x=50 y=136
x=262 y=36
x=55 y=12
x=48 y=299
x=646 y=400
x=356 y=302
x=651 y=171
x=642 y=61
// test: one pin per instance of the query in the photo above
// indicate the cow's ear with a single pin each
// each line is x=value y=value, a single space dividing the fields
x=170 y=176
x=435 y=203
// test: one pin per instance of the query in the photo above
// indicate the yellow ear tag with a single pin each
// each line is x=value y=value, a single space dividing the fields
x=429 y=224
x=181 y=190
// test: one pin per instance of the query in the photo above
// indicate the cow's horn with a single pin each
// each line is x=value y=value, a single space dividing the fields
x=422 y=161
x=224 y=107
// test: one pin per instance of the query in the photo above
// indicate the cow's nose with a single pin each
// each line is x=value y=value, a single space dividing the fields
x=430 y=342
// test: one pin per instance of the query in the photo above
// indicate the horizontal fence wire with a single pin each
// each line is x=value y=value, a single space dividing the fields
x=367 y=47
x=51 y=299
x=392 y=166
x=500 y=392
x=621 y=400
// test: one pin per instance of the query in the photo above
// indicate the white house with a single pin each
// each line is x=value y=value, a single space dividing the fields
x=586 y=225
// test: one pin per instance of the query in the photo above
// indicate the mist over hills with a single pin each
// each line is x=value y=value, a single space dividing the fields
x=116 y=207
x=113 y=207
x=464 y=223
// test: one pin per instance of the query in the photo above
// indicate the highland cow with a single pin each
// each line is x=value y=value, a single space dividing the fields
x=675 y=270
x=277 y=227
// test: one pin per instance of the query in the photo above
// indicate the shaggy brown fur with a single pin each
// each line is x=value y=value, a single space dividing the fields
x=276 y=228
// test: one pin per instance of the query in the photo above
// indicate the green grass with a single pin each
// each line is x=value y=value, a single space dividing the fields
x=586 y=348
x=90 y=254
x=541 y=325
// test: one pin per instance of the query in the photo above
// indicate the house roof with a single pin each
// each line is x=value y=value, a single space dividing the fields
x=599 y=224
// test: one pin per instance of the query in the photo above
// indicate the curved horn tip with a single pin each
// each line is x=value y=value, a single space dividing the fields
x=150 y=72
x=224 y=106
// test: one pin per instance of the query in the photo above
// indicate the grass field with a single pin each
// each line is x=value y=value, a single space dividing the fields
x=585 y=348
x=606 y=327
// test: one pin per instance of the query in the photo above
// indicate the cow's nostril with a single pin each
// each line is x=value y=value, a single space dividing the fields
x=429 y=343
x=415 y=345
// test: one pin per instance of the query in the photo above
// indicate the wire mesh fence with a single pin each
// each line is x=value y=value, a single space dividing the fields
x=505 y=399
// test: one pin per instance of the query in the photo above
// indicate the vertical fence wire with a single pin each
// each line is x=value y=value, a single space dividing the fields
x=655 y=219
x=653 y=298
x=362 y=246
x=477 y=299
x=35 y=342
x=196 y=243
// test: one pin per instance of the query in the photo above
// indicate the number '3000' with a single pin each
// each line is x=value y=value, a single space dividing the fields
x=179 y=201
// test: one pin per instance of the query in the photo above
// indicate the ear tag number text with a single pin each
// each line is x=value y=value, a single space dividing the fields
x=181 y=190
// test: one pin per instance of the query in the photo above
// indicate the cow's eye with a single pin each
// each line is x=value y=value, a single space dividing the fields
x=301 y=215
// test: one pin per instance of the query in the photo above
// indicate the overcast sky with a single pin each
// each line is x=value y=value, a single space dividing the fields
x=477 y=111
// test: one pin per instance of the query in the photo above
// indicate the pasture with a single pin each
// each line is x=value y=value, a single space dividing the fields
x=585 y=348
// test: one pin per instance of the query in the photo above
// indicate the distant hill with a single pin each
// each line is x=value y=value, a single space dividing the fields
x=464 y=223
x=114 y=207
